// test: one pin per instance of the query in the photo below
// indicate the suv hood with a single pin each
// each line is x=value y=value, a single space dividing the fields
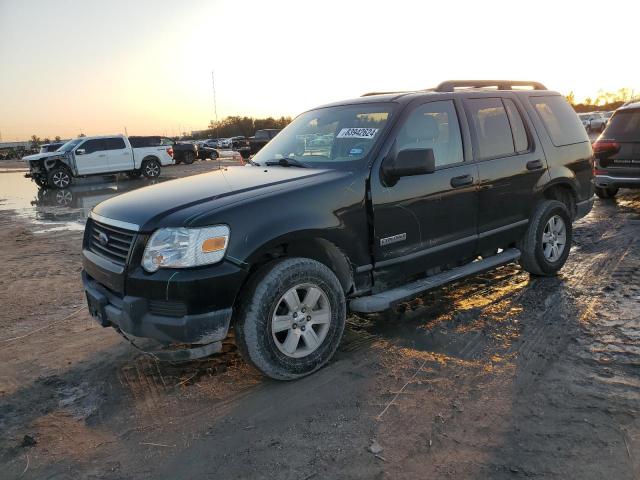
x=147 y=206
x=42 y=156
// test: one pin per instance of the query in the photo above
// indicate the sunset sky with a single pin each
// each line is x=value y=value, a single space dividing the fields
x=98 y=66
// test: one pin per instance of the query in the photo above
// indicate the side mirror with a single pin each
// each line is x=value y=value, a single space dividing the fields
x=408 y=163
x=81 y=151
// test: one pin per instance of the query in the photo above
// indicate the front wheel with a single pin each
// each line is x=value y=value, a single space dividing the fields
x=59 y=178
x=291 y=318
x=606 y=192
x=151 y=168
x=545 y=247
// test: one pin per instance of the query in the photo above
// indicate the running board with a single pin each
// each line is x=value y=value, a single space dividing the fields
x=387 y=299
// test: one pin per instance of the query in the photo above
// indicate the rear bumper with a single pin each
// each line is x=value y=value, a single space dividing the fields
x=132 y=316
x=604 y=181
x=584 y=207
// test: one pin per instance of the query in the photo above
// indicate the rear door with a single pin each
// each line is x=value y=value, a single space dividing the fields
x=511 y=165
x=119 y=155
x=428 y=220
x=91 y=157
x=618 y=149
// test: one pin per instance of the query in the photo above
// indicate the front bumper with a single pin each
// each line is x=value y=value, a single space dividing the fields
x=605 y=181
x=133 y=316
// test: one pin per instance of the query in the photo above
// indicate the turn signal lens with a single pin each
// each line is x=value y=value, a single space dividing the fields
x=214 y=244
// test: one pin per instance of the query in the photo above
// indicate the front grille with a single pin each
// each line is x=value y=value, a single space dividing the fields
x=110 y=242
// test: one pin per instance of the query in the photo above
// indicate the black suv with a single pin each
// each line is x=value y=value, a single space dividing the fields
x=407 y=191
x=617 y=152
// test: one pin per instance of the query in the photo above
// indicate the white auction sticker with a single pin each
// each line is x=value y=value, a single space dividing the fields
x=357 y=133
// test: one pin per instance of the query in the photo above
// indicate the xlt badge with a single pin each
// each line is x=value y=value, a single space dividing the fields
x=394 y=239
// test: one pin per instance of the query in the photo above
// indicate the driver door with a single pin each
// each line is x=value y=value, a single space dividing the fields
x=428 y=220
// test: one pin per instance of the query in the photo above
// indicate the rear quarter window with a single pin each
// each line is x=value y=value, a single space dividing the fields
x=560 y=120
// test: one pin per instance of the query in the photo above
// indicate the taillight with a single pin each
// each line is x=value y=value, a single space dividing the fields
x=606 y=146
x=170 y=151
x=599 y=172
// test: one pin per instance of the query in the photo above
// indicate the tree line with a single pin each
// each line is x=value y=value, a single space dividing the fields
x=604 y=100
x=235 y=126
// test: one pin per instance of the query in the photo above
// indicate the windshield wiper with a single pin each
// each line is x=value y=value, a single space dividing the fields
x=287 y=162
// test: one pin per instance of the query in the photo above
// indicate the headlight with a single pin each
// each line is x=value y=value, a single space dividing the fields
x=185 y=247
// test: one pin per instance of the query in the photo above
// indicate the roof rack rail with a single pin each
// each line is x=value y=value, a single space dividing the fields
x=451 y=85
x=370 y=94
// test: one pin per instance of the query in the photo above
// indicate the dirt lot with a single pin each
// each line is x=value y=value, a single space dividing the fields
x=500 y=376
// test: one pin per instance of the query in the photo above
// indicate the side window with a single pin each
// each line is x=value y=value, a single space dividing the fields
x=114 y=143
x=560 y=120
x=492 y=126
x=166 y=141
x=433 y=125
x=520 y=139
x=91 y=146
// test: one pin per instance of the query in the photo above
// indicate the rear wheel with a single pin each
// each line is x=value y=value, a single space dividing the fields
x=606 y=192
x=189 y=157
x=290 y=318
x=151 y=168
x=59 y=177
x=545 y=247
x=214 y=155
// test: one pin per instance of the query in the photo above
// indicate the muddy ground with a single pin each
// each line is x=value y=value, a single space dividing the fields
x=499 y=376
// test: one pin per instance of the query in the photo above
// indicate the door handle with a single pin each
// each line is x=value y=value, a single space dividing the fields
x=534 y=165
x=102 y=155
x=461 y=181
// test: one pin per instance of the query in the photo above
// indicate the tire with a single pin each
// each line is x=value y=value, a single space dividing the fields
x=213 y=155
x=151 y=168
x=188 y=159
x=133 y=174
x=538 y=255
x=606 y=192
x=59 y=177
x=262 y=301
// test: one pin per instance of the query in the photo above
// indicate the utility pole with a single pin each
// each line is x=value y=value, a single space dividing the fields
x=215 y=107
x=125 y=131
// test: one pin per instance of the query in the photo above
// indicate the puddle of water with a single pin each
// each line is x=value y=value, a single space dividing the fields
x=59 y=210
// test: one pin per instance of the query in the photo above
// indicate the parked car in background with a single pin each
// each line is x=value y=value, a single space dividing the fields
x=208 y=149
x=86 y=156
x=593 y=121
x=50 y=147
x=261 y=138
x=241 y=145
x=399 y=204
x=617 y=152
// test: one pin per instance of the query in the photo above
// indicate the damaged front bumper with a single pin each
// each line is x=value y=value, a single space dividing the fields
x=132 y=316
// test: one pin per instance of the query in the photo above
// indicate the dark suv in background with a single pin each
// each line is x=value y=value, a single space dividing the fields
x=617 y=152
x=407 y=191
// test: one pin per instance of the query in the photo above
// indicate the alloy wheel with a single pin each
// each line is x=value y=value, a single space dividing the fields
x=301 y=320
x=554 y=238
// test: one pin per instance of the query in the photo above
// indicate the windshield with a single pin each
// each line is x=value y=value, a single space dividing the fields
x=584 y=116
x=69 y=145
x=329 y=136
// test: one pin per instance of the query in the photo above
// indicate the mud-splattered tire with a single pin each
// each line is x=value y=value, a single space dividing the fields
x=59 y=177
x=545 y=247
x=151 y=168
x=606 y=192
x=264 y=320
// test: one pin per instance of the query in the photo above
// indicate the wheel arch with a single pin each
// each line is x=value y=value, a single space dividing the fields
x=314 y=248
x=564 y=191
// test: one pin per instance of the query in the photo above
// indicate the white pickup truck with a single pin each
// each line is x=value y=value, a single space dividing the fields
x=102 y=155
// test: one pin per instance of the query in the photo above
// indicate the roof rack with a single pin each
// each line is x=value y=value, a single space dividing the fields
x=451 y=85
x=370 y=94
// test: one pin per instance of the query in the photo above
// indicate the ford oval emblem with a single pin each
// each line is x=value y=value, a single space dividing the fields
x=103 y=239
